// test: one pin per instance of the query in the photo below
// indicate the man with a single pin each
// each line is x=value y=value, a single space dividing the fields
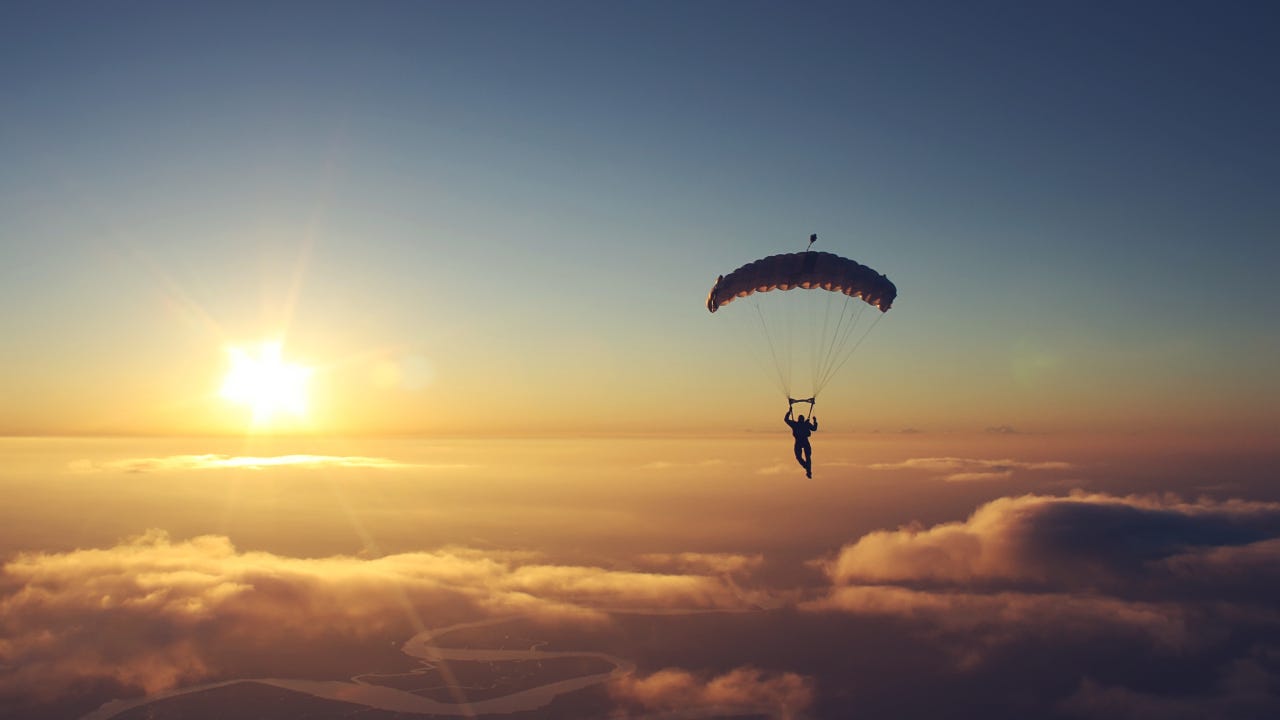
x=800 y=429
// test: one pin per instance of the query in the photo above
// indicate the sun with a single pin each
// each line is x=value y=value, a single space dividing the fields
x=266 y=383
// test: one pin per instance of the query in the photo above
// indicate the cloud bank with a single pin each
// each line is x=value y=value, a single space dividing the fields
x=1088 y=605
x=1083 y=542
x=152 y=613
x=1105 y=583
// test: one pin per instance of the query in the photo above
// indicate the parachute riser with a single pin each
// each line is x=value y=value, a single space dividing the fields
x=793 y=401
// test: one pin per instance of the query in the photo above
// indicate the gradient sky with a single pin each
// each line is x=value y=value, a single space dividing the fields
x=503 y=216
x=1044 y=487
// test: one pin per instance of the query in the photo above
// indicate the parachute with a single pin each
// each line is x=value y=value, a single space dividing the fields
x=807 y=270
x=805 y=328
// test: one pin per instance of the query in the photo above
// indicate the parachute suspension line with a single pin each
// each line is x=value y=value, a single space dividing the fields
x=820 y=338
x=839 y=338
x=855 y=345
x=783 y=383
x=838 y=357
x=834 y=338
x=791 y=314
x=848 y=344
x=841 y=348
x=783 y=322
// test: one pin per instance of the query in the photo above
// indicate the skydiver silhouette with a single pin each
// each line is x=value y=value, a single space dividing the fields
x=800 y=429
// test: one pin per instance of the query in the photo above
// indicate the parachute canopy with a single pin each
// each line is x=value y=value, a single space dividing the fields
x=807 y=336
x=807 y=270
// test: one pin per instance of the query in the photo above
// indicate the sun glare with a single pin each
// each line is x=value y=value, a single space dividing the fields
x=266 y=383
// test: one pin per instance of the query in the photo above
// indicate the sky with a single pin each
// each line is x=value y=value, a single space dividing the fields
x=355 y=359
x=504 y=217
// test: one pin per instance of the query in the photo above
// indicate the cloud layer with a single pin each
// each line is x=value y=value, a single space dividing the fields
x=175 y=463
x=152 y=613
x=1087 y=605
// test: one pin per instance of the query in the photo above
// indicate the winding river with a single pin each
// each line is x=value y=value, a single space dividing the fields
x=423 y=647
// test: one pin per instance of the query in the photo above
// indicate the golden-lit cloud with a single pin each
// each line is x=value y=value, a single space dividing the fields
x=740 y=691
x=704 y=563
x=676 y=465
x=1080 y=541
x=1062 y=570
x=173 y=463
x=595 y=588
x=956 y=469
x=991 y=617
x=1095 y=581
x=151 y=612
x=777 y=469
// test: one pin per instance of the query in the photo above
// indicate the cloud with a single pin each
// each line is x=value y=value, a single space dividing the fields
x=1093 y=605
x=779 y=469
x=1081 y=542
x=231 y=462
x=1141 y=575
x=1243 y=690
x=672 y=465
x=739 y=691
x=980 y=476
x=954 y=469
x=704 y=563
x=152 y=613
x=987 y=619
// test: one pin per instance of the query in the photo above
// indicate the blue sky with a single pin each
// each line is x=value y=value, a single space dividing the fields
x=1073 y=196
